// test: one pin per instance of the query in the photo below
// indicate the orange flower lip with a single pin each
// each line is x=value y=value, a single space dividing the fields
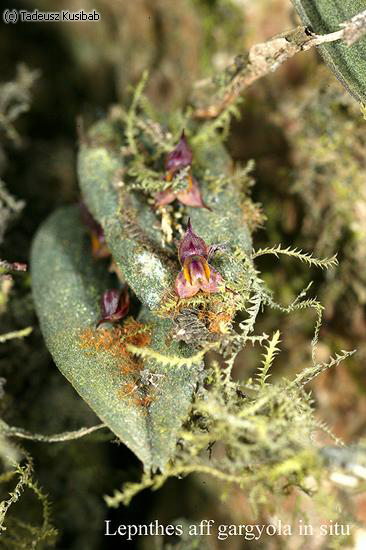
x=99 y=247
x=195 y=267
x=190 y=181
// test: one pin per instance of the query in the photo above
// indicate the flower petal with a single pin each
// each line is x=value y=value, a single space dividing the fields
x=192 y=196
x=164 y=197
x=214 y=283
x=89 y=221
x=183 y=288
x=196 y=273
x=99 y=247
x=114 y=305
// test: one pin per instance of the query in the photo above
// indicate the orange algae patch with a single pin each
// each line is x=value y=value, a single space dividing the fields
x=135 y=395
x=216 y=322
x=146 y=401
x=143 y=401
x=128 y=389
x=115 y=341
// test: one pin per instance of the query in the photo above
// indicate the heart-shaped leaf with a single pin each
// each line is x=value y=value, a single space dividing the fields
x=347 y=62
x=67 y=287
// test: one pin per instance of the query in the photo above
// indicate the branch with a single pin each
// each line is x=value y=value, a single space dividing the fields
x=266 y=57
x=354 y=28
x=12 y=431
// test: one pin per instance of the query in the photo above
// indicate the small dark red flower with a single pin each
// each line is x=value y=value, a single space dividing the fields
x=196 y=274
x=179 y=158
x=176 y=160
x=114 y=305
x=99 y=246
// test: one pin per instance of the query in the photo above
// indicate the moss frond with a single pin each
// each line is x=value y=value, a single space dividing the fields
x=15 y=99
x=15 y=334
x=323 y=263
x=268 y=357
x=22 y=534
x=132 y=114
x=267 y=433
x=363 y=110
x=310 y=373
x=217 y=128
x=170 y=361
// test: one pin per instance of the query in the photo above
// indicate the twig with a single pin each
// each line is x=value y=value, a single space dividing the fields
x=354 y=28
x=12 y=431
x=15 y=334
x=268 y=56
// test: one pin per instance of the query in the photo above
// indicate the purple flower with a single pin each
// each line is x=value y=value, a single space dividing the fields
x=114 y=305
x=99 y=246
x=196 y=274
x=179 y=158
x=189 y=197
x=176 y=160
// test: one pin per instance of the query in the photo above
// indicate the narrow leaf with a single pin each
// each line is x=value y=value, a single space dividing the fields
x=67 y=286
x=346 y=61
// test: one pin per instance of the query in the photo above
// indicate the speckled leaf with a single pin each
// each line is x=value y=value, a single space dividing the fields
x=131 y=227
x=348 y=62
x=67 y=285
x=225 y=223
x=172 y=395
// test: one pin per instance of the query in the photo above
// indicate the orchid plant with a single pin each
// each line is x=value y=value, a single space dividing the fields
x=83 y=305
x=140 y=368
x=129 y=319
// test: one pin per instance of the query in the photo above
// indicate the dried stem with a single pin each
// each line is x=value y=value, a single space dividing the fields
x=268 y=56
x=12 y=431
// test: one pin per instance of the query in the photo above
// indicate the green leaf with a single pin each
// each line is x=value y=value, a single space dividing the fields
x=347 y=62
x=131 y=227
x=225 y=223
x=67 y=286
